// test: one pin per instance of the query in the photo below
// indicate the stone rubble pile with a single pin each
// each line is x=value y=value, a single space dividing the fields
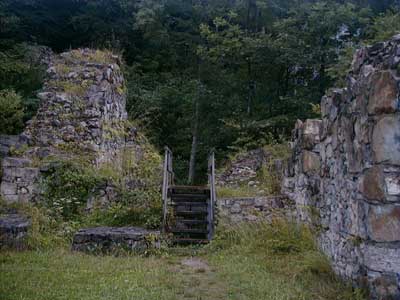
x=345 y=172
x=242 y=169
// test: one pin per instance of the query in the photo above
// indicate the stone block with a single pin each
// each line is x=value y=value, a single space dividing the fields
x=384 y=286
x=236 y=208
x=109 y=239
x=311 y=133
x=13 y=231
x=310 y=162
x=27 y=174
x=16 y=162
x=8 y=188
x=381 y=259
x=372 y=184
x=386 y=140
x=383 y=223
x=383 y=96
x=392 y=182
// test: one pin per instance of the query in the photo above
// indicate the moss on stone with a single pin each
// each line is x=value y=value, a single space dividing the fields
x=62 y=68
x=93 y=56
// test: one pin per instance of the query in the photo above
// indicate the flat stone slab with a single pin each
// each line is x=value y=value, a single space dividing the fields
x=111 y=239
x=13 y=230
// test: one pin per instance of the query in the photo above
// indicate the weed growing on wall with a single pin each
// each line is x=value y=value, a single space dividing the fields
x=68 y=186
x=135 y=178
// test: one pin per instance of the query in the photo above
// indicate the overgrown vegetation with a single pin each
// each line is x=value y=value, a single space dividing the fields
x=20 y=71
x=260 y=261
x=268 y=180
x=11 y=112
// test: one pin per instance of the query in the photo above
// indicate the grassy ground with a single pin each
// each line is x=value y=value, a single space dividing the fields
x=252 y=262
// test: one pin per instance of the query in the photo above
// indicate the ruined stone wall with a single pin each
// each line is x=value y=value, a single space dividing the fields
x=255 y=209
x=345 y=172
x=82 y=110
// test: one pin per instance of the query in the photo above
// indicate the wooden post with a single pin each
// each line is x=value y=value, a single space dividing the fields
x=213 y=197
x=165 y=189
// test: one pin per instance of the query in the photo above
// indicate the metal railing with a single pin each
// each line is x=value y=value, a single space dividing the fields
x=168 y=179
x=213 y=194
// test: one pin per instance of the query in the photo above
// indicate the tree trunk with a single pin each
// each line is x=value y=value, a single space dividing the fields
x=193 y=151
x=249 y=88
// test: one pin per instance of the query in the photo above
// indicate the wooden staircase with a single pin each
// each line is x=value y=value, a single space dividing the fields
x=190 y=213
x=188 y=210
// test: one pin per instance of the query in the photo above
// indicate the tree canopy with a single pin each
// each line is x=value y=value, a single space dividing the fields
x=202 y=74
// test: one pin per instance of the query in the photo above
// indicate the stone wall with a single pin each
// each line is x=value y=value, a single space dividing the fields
x=345 y=172
x=255 y=209
x=82 y=110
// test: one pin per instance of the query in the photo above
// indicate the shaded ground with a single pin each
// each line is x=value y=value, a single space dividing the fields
x=199 y=281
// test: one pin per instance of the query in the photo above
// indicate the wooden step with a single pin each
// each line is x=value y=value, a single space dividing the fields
x=189 y=197
x=189 y=190
x=192 y=222
x=189 y=241
x=190 y=213
x=194 y=231
x=191 y=204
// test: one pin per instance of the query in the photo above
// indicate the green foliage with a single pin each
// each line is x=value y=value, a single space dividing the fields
x=73 y=88
x=254 y=67
x=68 y=186
x=339 y=71
x=385 y=26
x=11 y=112
x=95 y=56
x=70 y=183
x=21 y=71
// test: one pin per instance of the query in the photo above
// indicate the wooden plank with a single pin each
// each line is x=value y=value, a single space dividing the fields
x=189 y=196
x=191 y=213
x=189 y=241
x=190 y=204
x=191 y=222
x=194 y=231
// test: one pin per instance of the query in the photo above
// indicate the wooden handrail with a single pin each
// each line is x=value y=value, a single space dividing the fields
x=168 y=178
x=213 y=194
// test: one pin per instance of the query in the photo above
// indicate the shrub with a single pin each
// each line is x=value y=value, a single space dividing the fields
x=11 y=112
x=68 y=186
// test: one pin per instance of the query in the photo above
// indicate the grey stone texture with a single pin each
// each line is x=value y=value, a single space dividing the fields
x=255 y=209
x=242 y=169
x=114 y=239
x=82 y=109
x=13 y=231
x=344 y=175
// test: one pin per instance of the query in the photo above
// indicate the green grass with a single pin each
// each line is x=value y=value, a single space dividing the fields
x=64 y=275
x=240 y=191
x=257 y=262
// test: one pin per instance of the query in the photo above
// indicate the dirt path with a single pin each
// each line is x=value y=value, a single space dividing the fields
x=199 y=281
